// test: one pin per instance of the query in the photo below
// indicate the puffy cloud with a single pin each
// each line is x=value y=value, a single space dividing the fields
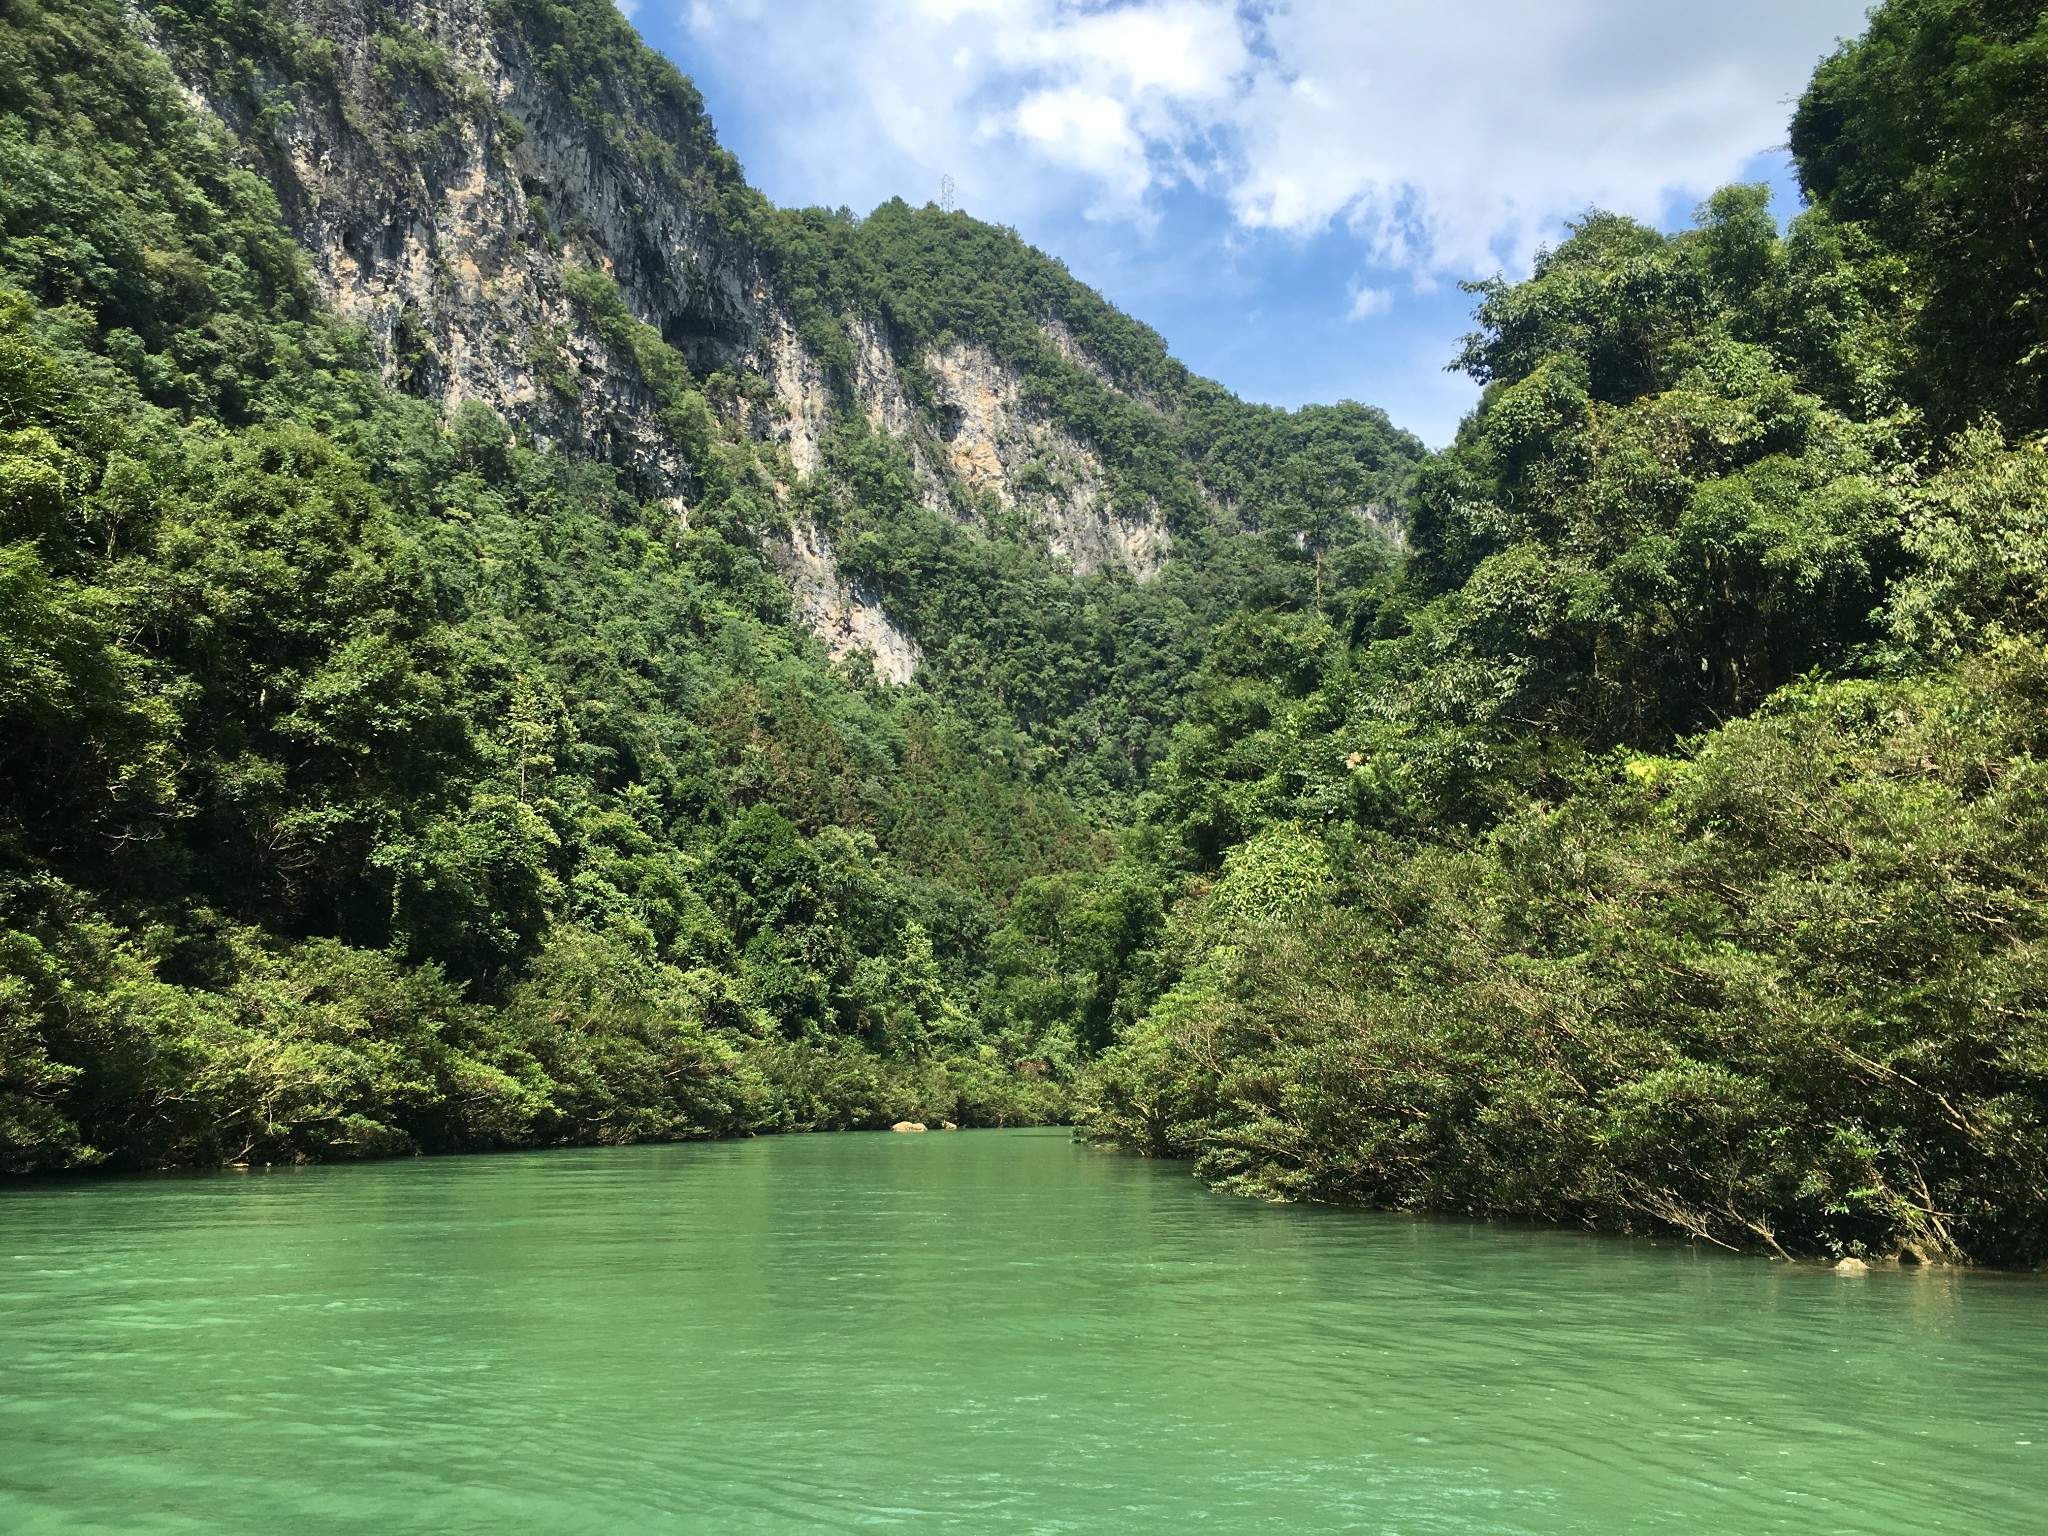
x=1251 y=175
x=1447 y=137
x=1453 y=136
x=1028 y=103
x=1367 y=302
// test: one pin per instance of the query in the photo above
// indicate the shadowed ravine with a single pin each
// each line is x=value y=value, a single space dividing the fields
x=990 y=1331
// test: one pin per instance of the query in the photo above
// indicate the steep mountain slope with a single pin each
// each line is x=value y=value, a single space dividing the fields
x=502 y=196
x=427 y=476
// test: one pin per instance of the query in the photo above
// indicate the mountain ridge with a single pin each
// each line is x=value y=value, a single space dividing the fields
x=457 y=172
x=391 y=771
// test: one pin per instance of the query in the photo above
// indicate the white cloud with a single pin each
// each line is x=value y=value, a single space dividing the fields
x=1083 y=130
x=1447 y=137
x=1367 y=302
x=1455 y=136
x=1025 y=102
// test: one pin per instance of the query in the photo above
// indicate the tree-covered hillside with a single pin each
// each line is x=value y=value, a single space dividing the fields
x=1659 y=845
x=524 y=207
x=373 y=780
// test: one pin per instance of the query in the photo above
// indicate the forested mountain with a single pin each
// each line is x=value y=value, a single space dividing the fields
x=510 y=639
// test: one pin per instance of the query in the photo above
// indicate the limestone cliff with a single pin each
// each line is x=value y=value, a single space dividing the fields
x=442 y=178
x=453 y=170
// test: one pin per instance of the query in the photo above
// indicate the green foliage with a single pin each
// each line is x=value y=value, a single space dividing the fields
x=1651 y=523
x=1654 y=847
x=1785 y=989
x=1979 y=540
x=1074 y=965
x=1653 y=520
x=1929 y=131
x=1083 y=677
x=641 y=103
x=124 y=214
x=374 y=782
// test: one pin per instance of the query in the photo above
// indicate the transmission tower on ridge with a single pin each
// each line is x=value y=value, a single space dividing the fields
x=946 y=200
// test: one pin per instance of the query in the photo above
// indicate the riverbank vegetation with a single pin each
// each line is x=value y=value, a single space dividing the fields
x=1659 y=845
x=1650 y=839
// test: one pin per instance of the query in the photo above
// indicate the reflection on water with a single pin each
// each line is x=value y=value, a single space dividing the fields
x=983 y=1331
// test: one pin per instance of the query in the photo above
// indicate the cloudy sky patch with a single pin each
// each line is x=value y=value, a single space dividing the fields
x=1248 y=177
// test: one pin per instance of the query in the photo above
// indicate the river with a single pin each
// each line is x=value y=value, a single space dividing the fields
x=983 y=1331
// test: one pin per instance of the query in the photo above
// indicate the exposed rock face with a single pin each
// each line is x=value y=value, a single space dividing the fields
x=992 y=444
x=445 y=184
x=848 y=617
x=984 y=441
x=804 y=400
x=442 y=188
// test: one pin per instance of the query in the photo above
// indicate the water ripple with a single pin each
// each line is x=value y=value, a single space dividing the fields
x=991 y=1331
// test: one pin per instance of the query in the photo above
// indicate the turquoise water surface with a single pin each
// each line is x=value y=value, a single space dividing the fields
x=989 y=1331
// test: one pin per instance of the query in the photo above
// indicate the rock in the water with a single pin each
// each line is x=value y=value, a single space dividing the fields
x=947 y=1125
x=1852 y=1267
x=906 y=1125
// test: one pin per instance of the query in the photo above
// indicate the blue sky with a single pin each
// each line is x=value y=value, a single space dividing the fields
x=1288 y=190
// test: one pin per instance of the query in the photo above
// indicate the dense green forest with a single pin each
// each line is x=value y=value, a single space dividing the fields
x=1649 y=837
x=376 y=781
x=1660 y=844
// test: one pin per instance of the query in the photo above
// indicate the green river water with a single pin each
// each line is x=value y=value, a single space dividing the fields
x=989 y=1331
